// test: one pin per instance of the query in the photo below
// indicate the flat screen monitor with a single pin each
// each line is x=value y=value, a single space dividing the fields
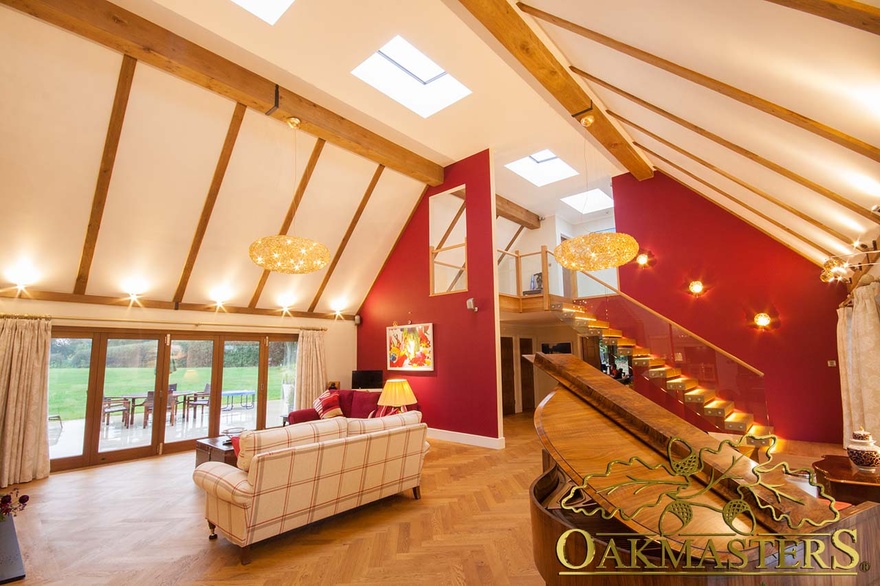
x=366 y=379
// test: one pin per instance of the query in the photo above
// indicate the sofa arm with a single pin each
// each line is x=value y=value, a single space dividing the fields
x=301 y=415
x=225 y=482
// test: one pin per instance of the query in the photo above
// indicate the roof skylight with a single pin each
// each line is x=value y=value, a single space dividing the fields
x=542 y=168
x=586 y=202
x=409 y=77
x=267 y=10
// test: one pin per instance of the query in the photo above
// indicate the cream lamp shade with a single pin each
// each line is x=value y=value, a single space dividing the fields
x=396 y=393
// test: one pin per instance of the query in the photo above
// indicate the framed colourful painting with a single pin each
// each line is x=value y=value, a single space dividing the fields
x=410 y=347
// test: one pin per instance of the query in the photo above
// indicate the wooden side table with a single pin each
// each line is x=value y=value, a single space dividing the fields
x=845 y=482
x=214 y=449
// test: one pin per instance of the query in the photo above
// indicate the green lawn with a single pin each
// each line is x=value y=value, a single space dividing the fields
x=68 y=386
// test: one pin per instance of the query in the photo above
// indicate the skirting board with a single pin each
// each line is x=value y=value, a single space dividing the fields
x=480 y=441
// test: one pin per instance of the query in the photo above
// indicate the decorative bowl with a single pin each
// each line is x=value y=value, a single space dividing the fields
x=232 y=432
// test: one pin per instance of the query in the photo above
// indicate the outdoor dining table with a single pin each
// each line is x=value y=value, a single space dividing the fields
x=132 y=397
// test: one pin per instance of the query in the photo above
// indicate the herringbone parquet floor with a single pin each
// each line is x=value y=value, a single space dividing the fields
x=142 y=523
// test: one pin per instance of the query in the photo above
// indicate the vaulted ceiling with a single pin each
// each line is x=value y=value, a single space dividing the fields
x=135 y=142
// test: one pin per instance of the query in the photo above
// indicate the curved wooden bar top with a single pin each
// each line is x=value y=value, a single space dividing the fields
x=609 y=465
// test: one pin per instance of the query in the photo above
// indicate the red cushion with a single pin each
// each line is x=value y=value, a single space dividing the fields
x=345 y=398
x=363 y=403
x=235 y=446
x=327 y=406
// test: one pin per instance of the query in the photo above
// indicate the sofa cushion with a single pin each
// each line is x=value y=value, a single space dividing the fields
x=327 y=405
x=346 y=396
x=363 y=403
x=257 y=442
x=362 y=426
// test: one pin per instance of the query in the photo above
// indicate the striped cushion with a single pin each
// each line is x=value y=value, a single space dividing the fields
x=257 y=442
x=327 y=405
x=362 y=426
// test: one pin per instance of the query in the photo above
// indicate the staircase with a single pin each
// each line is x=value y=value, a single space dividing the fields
x=665 y=384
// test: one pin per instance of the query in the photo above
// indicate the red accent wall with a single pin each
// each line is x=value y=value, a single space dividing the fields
x=745 y=272
x=461 y=393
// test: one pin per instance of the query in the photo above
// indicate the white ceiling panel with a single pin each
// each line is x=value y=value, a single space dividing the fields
x=257 y=191
x=391 y=204
x=171 y=140
x=52 y=131
x=328 y=205
x=58 y=89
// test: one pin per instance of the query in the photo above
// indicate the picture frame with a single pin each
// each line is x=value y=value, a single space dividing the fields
x=410 y=347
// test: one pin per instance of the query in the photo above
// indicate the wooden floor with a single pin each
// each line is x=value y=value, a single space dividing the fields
x=143 y=522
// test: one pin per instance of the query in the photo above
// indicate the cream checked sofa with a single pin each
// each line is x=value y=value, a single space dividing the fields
x=290 y=476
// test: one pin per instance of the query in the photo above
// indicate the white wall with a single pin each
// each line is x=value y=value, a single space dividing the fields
x=340 y=339
x=540 y=334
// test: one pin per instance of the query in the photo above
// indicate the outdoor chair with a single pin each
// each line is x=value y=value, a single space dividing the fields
x=113 y=405
x=200 y=400
x=171 y=406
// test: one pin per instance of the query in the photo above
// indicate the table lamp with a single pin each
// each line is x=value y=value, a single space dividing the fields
x=396 y=395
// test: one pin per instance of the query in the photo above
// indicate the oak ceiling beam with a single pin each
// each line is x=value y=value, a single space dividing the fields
x=105 y=171
x=510 y=211
x=506 y=25
x=854 y=14
x=766 y=106
x=291 y=212
x=153 y=304
x=211 y=199
x=344 y=243
x=124 y=31
x=823 y=191
x=743 y=204
x=516 y=213
x=759 y=192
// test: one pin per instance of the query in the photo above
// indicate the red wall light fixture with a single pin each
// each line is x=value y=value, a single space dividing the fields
x=763 y=321
x=645 y=259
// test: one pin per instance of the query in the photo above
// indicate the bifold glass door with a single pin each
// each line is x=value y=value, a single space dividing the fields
x=122 y=395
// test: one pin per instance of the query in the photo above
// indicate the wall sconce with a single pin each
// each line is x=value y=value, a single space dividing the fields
x=762 y=320
x=695 y=288
x=471 y=306
x=645 y=258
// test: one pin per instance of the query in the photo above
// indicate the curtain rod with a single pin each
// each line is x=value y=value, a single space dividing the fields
x=23 y=316
x=179 y=323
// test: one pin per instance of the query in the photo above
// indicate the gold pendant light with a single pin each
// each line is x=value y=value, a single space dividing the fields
x=289 y=254
x=596 y=251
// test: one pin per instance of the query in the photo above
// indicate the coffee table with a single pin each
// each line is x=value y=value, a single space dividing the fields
x=845 y=482
x=215 y=449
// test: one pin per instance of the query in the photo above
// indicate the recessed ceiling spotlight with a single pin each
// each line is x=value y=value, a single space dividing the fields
x=22 y=274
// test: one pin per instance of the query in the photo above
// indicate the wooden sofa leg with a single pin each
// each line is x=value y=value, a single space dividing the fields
x=417 y=492
x=245 y=555
x=212 y=527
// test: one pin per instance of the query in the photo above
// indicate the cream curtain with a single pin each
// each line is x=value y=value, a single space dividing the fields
x=24 y=399
x=858 y=341
x=311 y=367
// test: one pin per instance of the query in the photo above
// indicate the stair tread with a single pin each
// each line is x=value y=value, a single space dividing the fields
x=699 y=395
x=758 y=429
x=612 y=333
x=718 y=403
x=739 y=416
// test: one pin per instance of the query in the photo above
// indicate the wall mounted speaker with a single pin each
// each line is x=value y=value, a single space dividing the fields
x=357 y=320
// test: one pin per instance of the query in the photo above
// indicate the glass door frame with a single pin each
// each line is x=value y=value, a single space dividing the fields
x=100 y=336
x=81 y=460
